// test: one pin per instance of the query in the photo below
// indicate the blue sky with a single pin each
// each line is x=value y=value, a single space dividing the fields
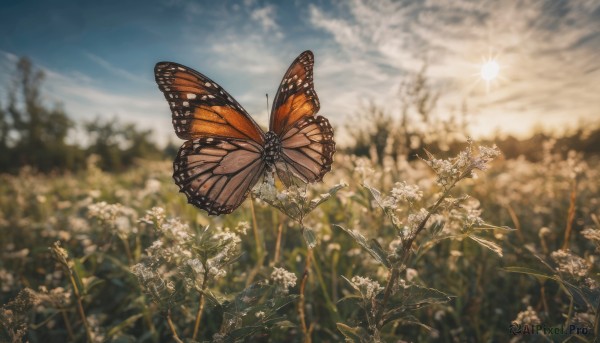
x=99 y=55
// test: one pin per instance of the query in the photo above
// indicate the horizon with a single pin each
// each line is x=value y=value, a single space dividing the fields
x=99 y=62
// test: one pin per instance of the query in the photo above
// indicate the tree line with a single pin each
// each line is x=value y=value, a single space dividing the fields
x=35 y=134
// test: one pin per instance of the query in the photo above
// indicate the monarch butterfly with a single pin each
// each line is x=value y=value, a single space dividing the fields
x=226 y=152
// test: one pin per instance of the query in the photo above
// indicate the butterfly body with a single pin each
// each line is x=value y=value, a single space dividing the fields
x=272 y=150
x=226 y=152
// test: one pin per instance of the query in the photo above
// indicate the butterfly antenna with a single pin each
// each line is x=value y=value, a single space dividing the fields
x=267 y=95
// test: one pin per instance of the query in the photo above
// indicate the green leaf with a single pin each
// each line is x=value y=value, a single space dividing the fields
x=123 y=325
x=354 y=334
x=309 y=237
x=528 y=271
x=324 y=197
x=419 y=296
x=372 y=246
x=487 y=244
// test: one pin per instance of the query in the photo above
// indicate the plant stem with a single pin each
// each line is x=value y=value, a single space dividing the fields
x=77 y=294
x=172 y=327
x=305 y=330
x=278 y=243
x=259 y=251
x=201 y=301
x=570 y=216
x=68 y=325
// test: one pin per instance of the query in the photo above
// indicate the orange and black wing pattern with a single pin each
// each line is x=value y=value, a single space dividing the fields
x=202 y=108
x=307 y=143
x=222 y=158
x=216 y=174
x=296 y=97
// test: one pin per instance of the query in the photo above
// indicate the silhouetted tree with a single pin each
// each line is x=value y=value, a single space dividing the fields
x=39 y=132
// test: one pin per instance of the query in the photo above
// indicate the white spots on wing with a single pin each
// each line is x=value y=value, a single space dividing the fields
x=186 y=104
x=184 y=122
x=210 y=96
x=215 y=85
x=209 y=140
x=204 y=97
x=191 y=96
x=305 y=84
x=182 y=69
x=207 y=84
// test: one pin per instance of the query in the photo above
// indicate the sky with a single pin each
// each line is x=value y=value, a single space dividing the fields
x=98 y=56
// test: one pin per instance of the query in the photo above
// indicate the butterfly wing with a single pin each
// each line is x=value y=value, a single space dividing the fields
x=201 y=108
x=222 y=158
x=216 y=174
x=307 y=141
x=296 y=96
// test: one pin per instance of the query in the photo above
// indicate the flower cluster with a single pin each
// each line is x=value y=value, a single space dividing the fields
x=569 y=263
x=368 y=288
x=283 y=279
x=528 y=317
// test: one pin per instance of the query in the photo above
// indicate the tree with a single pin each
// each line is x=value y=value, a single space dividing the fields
x=39 y=132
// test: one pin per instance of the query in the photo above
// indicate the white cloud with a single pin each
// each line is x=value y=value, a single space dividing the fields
x=265 y=16
x=120 y=72
x=547 y=70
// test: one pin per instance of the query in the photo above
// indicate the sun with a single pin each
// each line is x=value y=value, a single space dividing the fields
x=490 y=70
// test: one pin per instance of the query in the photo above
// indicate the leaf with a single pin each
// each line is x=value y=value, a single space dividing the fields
x=528 y=271
x=372 y=246
x=123 y=324
x=309 y=237
x=487 y=226
x=354 y=334
x=419 y=296
x=487 y=244
x=324 y=197
x=413 y=298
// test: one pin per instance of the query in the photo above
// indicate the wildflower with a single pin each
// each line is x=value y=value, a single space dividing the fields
x=7 y=280
x=283 y=278
x=593 y=235
x=104 y=211
x=242 y=227
x=404 y=192
x=528 y=317
x=570 y=263
x=368 y=288
x=411 y=274
x=155 y=216
x=260 y=315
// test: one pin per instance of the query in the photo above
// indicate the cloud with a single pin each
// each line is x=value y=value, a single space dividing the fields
x=265 y=16
x=113 y=69
x=547 y=51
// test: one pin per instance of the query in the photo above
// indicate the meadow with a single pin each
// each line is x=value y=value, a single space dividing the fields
x=416 y=234
x=444 y=248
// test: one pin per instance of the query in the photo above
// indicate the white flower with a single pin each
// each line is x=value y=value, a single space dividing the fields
x=404 y=192
x=528 y=316
x=368 y=288
x=283 y=278
x=570 y=263
x=242 y=227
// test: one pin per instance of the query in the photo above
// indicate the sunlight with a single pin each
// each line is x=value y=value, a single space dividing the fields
x=490 y=70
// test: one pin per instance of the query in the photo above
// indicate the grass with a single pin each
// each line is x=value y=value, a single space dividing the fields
x=137 y=263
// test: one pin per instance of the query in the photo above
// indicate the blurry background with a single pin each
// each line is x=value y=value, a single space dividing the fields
x=418 y=68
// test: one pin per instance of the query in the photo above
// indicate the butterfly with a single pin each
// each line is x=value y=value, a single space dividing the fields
x=225 y=152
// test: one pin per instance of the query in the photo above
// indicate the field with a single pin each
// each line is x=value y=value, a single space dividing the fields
x=472 y=247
